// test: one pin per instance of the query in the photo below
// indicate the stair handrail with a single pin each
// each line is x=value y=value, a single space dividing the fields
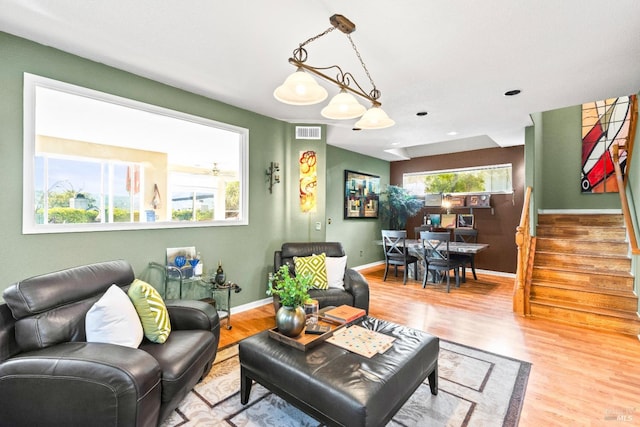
x=621 y=181
x=523 y=242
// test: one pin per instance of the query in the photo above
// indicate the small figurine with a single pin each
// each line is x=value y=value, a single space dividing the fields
x=220 y=276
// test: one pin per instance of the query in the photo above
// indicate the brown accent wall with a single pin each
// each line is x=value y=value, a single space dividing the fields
x=495 y=226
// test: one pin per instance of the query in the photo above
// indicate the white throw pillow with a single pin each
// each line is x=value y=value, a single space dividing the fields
x=336 y=267
x=113 y=319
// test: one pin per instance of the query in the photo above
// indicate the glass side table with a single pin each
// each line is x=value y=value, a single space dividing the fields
x=220 y=293
x=220 y=296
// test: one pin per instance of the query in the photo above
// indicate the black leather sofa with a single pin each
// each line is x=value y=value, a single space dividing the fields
x=356 y=288
x=50 y=375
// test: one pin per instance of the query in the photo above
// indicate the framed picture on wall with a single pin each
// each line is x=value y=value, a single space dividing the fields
x=448 y=221
x=465 y=221
x=361 y=195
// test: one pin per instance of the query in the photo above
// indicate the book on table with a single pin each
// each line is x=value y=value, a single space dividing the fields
x=344 y=313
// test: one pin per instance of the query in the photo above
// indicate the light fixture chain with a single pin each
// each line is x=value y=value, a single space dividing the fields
x=327 y=31
x=375 y=93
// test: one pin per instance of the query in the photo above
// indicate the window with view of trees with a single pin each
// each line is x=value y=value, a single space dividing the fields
x=94 y=161
x=485 y=179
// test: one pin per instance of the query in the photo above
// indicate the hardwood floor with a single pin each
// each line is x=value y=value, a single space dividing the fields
x=579 y=377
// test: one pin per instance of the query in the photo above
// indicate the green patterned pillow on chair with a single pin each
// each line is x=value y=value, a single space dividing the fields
x=314 y=266
x=152 y=311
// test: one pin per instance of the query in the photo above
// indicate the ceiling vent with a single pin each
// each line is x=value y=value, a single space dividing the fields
x=308 y=132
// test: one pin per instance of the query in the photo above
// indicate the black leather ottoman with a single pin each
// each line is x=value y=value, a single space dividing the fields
x=339 y=387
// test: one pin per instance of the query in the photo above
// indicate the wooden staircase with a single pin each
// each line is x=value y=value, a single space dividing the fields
x=582 y=273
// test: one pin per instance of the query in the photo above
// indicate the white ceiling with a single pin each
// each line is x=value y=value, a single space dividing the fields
x=453 y=59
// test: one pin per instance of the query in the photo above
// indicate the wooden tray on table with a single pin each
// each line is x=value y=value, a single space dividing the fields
x=304 y=341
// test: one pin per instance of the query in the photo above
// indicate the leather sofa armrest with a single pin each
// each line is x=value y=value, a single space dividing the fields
x=277 y=260
x=193 y=314
x=357 y=285
x=61 y=384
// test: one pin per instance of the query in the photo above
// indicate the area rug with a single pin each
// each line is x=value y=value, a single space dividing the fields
x=476 y=388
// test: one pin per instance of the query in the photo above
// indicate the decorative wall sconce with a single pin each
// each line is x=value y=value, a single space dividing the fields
x=300 y=88
x=272 y=175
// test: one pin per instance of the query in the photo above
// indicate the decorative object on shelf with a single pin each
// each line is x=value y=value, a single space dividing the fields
x=433 y=200
x=399 y=206
x=300 y=88
x=362 y=195
x=479 y=200
x=293 y=293
x=220 y=276
x=196 y=265
x=180 y=261
x=465 y=221
x=272 y=175
x=456 y=201
x=449 y=220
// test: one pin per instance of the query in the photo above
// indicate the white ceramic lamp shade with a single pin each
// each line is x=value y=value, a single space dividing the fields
x=300 y=89
x=374 y=118
x=343 y=106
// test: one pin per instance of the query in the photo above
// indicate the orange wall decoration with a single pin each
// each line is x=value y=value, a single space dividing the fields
x=308 y=181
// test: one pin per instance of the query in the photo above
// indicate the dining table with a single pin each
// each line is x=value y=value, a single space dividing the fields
x=414 y=246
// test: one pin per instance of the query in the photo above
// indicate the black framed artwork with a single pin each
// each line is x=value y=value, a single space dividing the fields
x=361 y=195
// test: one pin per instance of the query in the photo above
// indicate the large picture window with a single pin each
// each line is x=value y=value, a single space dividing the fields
x=482 y=179
x=94 y=161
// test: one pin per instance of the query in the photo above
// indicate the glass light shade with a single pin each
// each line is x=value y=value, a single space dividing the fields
x=300 y=89
x=343 y=106
x=374 y=118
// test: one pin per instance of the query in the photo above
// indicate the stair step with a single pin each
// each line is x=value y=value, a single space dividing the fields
x=585 y=297
x=587 y=220
x=583 y=247
x=601 y=319
x=582 y=262
x=581 y=273
x=619 y=280
x=582 y=233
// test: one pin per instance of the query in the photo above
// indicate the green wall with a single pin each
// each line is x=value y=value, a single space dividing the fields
x=354 y=233
x=246 y=252
x=558 y=135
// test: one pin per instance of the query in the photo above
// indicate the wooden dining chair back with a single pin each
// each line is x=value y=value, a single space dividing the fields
x=467 y=235
x=437 y=258
x=397 y=254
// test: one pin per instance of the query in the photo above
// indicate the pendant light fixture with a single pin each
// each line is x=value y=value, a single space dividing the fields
x=300 y=88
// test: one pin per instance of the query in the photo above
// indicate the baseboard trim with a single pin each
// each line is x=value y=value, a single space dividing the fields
x=580 y=211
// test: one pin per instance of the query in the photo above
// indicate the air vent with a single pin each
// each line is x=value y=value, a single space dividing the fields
x=308 y=132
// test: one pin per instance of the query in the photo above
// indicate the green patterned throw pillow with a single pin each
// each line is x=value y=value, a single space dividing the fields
x=314 y=266
x=152 y=311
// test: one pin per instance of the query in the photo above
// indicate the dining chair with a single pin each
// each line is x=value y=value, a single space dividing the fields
x=397 y=254
x=417 y=230
x=467 y=235
x=436 y=256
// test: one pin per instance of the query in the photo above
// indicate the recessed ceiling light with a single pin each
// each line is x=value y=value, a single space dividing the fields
x=395 y=143
x=512 y=92
x=452 y=133
x=421 y=113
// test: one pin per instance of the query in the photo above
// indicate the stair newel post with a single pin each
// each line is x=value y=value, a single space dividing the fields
x=523 y=239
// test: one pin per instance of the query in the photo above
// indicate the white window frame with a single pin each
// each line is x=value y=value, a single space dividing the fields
x=29 y=226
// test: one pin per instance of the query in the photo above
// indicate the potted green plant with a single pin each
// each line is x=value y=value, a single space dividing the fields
x=293 y=292
x=399 y=206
